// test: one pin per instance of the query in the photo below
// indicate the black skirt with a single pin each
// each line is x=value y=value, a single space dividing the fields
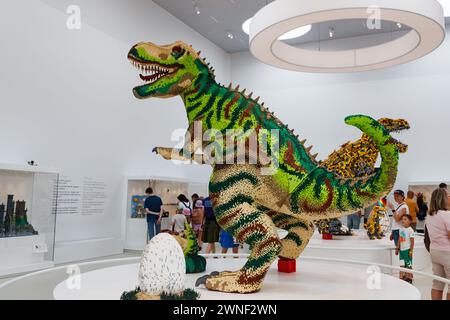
x=211 y=231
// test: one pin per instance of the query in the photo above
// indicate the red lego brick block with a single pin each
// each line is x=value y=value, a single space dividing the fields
x=287 y=265
x=327 y=236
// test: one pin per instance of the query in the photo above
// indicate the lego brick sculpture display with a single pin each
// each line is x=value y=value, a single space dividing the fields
x=373 y=225
x=332 y=227
x=357 y=160
x=14 y=219
x=195 y=263
x=161 y=272
x=280 y=184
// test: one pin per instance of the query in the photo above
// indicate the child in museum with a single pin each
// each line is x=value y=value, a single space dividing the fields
x=178 y=221
x=405 y=246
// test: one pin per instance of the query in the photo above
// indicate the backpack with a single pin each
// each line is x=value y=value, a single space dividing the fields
x=187 y=211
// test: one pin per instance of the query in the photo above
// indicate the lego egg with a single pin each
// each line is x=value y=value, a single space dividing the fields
x=162 y=267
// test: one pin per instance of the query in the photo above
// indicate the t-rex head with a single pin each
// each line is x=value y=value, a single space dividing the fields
x=396 y=125
x=165 y=70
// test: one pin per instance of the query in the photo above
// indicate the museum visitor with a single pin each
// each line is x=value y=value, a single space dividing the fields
x=397 y=212
x=423 y=210
x=437 y=227
x=211 y=228
x=405 y=247
x=198 y=215
x=354 y=220
x=178 y=222
x=412 y=207
x=184 y=207
x=153 y=206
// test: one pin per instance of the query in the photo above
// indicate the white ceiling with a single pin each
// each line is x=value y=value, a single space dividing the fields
x=218 y=17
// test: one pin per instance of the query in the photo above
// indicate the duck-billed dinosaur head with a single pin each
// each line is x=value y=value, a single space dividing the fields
x=167 y=70
x=380 y=130
x=393 y=125
x=396 y=125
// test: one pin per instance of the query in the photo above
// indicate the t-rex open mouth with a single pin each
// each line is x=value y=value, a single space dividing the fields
x=150 y=72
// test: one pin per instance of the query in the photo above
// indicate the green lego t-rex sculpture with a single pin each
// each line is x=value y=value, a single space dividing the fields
x=285 y=187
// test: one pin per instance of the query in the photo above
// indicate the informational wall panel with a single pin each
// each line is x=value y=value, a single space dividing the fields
x=81 y=195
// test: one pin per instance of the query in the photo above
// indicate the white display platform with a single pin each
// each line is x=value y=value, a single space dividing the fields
x=312 y=281
x=359 y=247
x=23 y=254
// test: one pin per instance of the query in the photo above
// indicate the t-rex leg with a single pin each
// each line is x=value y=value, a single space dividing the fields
x=299 y=233
x=255 y=228
x=232 y=192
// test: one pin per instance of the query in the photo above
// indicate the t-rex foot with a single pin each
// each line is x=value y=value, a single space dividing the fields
x=228 y=281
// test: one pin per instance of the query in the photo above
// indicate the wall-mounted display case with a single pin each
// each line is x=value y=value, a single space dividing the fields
x=28 y=202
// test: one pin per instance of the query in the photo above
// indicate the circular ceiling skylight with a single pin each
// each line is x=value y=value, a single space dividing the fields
x=425 y=19
x=297 y=32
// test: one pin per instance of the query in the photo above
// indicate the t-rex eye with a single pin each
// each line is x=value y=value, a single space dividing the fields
x=177 y=49
x=177 y=52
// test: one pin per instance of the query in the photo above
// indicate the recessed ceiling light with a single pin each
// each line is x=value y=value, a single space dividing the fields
x=230 y=35
x=297 y=32
x=196 y=8
x=446 y=5
x=331 y=32
x=399 y=25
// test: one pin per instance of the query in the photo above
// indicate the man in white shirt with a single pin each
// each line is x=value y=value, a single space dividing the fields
x=398 y=212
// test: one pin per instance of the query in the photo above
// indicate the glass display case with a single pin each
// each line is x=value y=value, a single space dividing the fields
x=28 y=202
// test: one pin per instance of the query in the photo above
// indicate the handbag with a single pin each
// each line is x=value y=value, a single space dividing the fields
x=427 y=240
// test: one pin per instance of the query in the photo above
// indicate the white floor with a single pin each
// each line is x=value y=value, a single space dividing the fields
x=421 y=283
x=312 y=281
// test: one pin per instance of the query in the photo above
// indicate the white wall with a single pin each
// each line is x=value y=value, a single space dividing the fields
x=315 y=105
x=66 y=102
